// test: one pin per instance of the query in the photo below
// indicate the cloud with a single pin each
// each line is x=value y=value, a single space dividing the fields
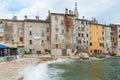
x=96 y=8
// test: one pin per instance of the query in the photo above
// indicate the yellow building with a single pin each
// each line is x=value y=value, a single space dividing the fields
x=95 y=39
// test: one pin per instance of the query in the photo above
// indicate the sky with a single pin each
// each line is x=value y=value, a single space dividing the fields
x=105 y=11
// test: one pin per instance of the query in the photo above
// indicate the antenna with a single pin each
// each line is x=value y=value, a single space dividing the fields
x=13 y=12
x=37 y=12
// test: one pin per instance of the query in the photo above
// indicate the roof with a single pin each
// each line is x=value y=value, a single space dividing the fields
x=83 y=20
x=96 y=23
x=34 y=20
x=27 y=20
x=114 y=24
x=12 y=20
x=62 y=14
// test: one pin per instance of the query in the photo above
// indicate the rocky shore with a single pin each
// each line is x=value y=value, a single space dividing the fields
x=10 y=70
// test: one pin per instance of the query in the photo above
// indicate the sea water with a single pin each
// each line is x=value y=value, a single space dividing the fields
x=93 y=69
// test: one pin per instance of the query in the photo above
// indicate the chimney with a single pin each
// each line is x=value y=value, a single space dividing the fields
x=14 y=18
x=70 y=12
x=66 y=11
x=25 y=17
x=94 y=19
x=49 y=13
x=37 y=18
x=83 y=17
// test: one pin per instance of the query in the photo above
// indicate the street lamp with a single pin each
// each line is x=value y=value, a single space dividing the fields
x=12 y=47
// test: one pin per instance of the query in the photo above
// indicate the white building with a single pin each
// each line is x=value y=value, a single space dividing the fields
x=107 y=39
x=82 y=34
x=118 y=37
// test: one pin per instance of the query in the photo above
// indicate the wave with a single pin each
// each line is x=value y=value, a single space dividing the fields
x=42 y=71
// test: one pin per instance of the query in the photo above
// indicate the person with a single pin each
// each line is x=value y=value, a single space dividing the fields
x=17 y=55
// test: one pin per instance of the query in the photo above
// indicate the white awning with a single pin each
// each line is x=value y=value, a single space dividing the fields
x=37 y=37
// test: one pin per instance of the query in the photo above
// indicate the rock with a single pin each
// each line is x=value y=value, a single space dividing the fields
x=19 y=78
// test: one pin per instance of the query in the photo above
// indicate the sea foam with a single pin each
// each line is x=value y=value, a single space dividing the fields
x=42 y=71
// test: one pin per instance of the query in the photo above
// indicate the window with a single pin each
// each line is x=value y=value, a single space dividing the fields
x=30 y=42
x=99 y=38
x=63 y=41
x=87 y=35
x=96 y=33
x=103 y=38
x=62 y=31
x=30 y=32
x=42 y=33
x=79 y=28
x=62 y=22
x=47 y=29
x=30 y=24
x=102 y=32
x=87 y=42
x=20 y=31
x=30 y=50
x=56 y=36
x=56 y=45
x=100 y=44
x=90 y=44
x=82 y=35
x=79 y=34
x=97 y=26
x=71 y=22
x=79 y=41
x=1 y=30
x=56 y=17
x=82 y=28
x=72 y=32
x=72 y=41
x=90 y=38
x=21 y=39
x=83 y=41
x=42 y=41
x=95 y=51
x=91 y=51
x=42 y=26
x=90 y=25
x=1 y=38
x=56 y=27
x=47 y=38
x=86 y=22
x=1 y=22
x=90 y=32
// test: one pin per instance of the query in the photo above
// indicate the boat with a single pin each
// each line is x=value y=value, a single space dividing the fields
x=84 y=56
x=100 y=56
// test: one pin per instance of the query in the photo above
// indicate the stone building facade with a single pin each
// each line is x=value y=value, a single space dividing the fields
x=82 y=32
x=12 y=33
x=115 y=38
x=37 y=35
x=107 y=39
x=62 y=33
